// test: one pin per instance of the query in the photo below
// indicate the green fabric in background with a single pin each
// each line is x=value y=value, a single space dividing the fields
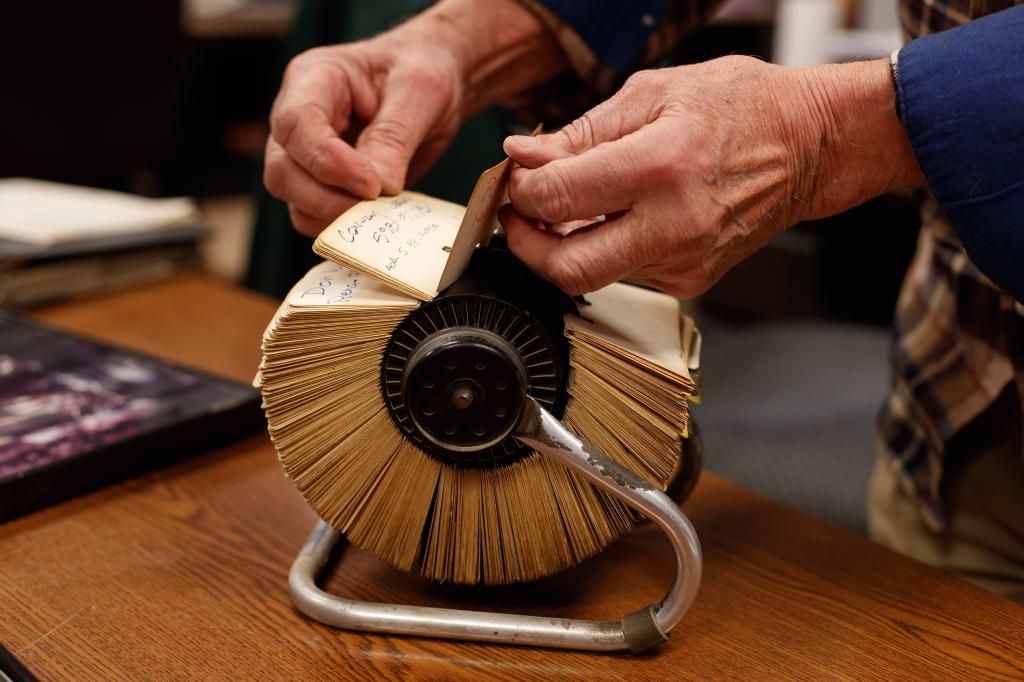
x=279 y=255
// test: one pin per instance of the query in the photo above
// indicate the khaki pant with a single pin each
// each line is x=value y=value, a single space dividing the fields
x=984 y=487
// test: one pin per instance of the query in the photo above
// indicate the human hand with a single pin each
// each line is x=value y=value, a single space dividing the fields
x=697 y=167
x=350 y=118
x=352 y=121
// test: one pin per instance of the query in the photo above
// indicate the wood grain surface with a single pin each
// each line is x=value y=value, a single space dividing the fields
x=181 y=574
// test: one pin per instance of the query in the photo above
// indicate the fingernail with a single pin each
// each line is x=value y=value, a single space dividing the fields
x=522 y=141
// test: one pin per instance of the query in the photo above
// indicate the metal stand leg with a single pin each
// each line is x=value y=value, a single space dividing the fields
x=638 y=631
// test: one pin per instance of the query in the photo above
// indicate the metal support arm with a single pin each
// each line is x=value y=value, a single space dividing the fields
x=638 y=631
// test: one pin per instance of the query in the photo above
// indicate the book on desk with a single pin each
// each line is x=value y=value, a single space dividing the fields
x=76 y=414
x=61 y=241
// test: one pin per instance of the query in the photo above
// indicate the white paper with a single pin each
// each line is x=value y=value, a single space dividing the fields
x=404 y=239
x=330 y=284
x=46 y=213
x=643 y=322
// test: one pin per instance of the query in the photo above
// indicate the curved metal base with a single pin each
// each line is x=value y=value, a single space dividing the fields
x=637 y=632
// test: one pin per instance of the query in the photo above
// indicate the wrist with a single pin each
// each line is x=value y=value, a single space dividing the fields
x=857 y=147
x=502 y=48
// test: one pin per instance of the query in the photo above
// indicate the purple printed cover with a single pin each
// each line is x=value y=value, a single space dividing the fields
x=62 y=396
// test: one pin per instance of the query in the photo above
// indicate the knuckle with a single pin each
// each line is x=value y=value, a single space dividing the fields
x=699 y=157
x=551 y=196
x=430 y=75
x=516 y=236
x=436 y=75
x=663 y=164
x=285 y=121
x=306 y=60
x=296 y=65
x=392 y=133
x=516 y=180
x=571 y=274
x=275 y=179
x=512 y=235
x=304 y=223
x=580 y=133
x=282 y=124
x=644 y=80
x=325 y=206
x=319 y=163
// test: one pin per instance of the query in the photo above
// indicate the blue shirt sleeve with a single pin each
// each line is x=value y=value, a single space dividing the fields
x=615 y=31
x=961 y=100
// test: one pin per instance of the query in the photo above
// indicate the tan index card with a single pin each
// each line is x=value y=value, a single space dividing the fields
x=640 y=321
x=403 y=240
x=330 y=284
x=414 y=242
x=480 y=220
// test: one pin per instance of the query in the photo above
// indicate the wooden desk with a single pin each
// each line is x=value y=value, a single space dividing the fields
x=182 y=573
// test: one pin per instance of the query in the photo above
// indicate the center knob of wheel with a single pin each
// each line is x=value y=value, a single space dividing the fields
x=464 y=388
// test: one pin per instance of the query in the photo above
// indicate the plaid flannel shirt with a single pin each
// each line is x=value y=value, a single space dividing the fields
x=604 y=41
x=958 y=339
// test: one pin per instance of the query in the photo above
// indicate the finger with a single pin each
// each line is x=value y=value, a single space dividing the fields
x=408 y=110
x=310 y=113
x=288 y=181
x=306 y=224
x=680 y=287
x=587 y=259
x=608 y=178
x=624 y=112
x=567 y=228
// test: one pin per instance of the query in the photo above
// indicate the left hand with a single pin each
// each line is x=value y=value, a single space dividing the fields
x=352 y=121
x=696 y=167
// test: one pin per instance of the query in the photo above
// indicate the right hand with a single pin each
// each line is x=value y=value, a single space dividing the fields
x=353 y=121
x=696 y=167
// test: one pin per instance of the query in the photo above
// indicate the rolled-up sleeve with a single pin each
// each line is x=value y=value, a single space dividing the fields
x=961 y=100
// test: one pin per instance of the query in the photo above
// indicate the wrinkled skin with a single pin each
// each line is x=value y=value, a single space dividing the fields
x=353 y=121
x=691 y=168
x=697 y=167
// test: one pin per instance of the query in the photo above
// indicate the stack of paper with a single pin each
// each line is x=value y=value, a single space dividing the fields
x=630 y=377
x=414 y=242
x=59 y=241
x=48 y=213
x=320 y=379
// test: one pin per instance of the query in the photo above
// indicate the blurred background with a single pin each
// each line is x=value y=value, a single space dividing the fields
x=169 y=98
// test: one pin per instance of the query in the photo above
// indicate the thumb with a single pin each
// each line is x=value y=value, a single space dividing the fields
x=407 y=112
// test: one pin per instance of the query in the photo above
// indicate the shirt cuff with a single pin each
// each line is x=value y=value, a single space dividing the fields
x=960 y=97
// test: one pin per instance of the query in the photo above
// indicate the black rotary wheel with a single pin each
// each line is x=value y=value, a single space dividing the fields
x=456 y=371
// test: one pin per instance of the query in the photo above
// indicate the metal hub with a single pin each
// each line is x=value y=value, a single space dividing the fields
x=456 y=373
x=464 y=389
